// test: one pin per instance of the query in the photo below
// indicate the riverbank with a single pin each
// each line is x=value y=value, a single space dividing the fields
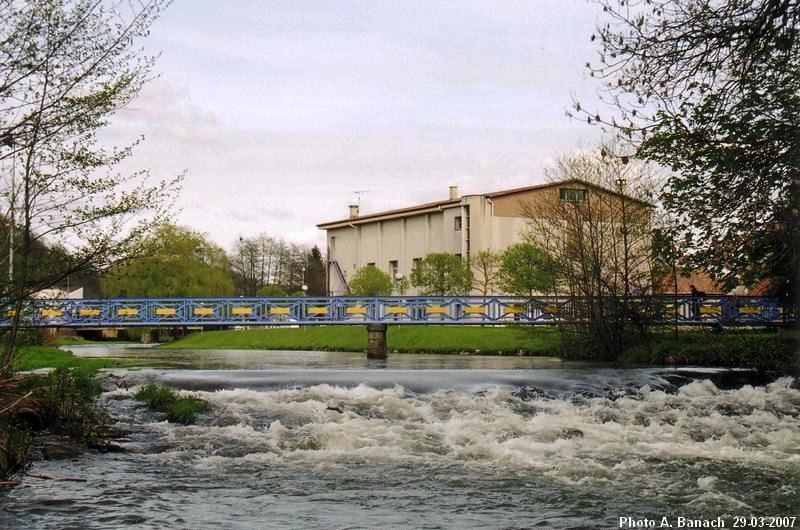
x=733 y=348
x=61 y=402
x=36 y=357
x=417 y=339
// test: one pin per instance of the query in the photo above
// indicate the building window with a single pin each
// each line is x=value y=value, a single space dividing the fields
x=457 y=222
x=393 y=268
x=416 y=263
x=573 y=195
x=371 y=264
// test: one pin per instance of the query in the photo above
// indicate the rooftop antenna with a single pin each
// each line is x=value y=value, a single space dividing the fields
x=358 y=194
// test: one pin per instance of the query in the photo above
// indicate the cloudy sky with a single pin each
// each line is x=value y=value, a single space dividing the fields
x=280 y=111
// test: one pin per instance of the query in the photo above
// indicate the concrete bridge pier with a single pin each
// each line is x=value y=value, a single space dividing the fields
x=376 y=341
x=149 y=336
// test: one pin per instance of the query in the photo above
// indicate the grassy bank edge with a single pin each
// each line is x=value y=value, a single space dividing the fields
x=36 y=357
x=508 y=340
x=735 y=348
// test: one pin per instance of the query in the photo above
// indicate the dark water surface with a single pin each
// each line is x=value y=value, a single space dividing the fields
x=427 y=442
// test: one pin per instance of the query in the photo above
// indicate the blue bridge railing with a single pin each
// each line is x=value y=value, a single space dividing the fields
x=544 y=310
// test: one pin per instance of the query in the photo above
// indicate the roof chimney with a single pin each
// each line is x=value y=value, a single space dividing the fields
x=453 y=193
x=353 y=211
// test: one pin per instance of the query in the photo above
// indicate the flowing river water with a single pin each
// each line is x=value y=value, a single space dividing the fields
x=331 y=440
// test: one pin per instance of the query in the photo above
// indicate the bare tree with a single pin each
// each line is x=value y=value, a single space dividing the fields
x=486 y=267
x=264 y=260
x=597 y=227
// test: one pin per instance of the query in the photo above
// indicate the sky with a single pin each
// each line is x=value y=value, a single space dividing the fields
x=280 y=111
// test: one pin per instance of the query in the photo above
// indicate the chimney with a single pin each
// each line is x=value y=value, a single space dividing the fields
x=453 y=193
x=353 y=211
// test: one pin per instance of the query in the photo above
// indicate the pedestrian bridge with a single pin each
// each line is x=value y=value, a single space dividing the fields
x=447 y=310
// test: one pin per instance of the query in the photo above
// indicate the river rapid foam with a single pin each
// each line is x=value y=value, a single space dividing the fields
x=446 y=450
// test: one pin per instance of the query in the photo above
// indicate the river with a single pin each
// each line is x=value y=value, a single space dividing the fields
x=331 y=440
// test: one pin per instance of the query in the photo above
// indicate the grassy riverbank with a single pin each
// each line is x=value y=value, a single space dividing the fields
x=416 y=339
x=35 y=357
x=743 y=348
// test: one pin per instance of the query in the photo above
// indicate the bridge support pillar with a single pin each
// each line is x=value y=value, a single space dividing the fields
x=149 y=336
x=376 y=341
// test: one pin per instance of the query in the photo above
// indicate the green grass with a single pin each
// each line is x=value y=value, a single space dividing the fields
x=413 y=339
x=160 y=398
x=35 y=357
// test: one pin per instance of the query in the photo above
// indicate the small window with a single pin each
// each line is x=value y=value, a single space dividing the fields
x=416 y=263
x=457 y=222
x=394 y=268
x=371 y=264
x=573 y=195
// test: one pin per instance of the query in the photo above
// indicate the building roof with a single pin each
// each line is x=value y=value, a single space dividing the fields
x=421 y=208
x=418 y=208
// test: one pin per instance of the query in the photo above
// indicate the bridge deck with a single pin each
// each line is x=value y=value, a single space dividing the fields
x=541 y=310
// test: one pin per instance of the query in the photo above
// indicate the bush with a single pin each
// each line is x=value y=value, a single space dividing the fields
x=184 y=410
x=160 y=398
x=370 y=281
x=66 y=402
x=271 y=290
x=442 y=274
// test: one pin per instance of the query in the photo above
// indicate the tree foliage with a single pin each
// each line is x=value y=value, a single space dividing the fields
x=712 y=90
x=442 y=274
x=179 y=263
x=65 y=68
x=370 y=281
x=315 y=273
x=526 y=270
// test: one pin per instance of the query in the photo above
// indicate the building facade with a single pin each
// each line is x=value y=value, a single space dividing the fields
x=395 y=240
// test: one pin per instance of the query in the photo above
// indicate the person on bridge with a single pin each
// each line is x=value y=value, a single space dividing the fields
x=694 y=304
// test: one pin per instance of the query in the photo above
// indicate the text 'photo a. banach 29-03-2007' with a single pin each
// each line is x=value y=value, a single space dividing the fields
x=399 y=265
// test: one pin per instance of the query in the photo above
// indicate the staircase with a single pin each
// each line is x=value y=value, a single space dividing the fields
x=333 y=264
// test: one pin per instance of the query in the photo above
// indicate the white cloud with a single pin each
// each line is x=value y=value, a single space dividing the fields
x=280 y=111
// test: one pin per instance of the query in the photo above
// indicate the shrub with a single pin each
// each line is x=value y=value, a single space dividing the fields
x=66 y=402
x=160 y=398
x=370 y=281
x=442 y=274
x=271 y=290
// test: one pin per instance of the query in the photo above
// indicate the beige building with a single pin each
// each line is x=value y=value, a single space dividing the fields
x=395 y=240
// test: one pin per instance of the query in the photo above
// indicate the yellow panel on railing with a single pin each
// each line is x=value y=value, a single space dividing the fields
x=749 y=310
x=710 y=310
x=50 y=312
x=317 y=310
x=474 y=310
x=127 y=312
x=358 y=310
x=436 y=310
x=278 y=310
x=89 y=312
x=203 y=311
x=550 y=309
x=11 y=313
x=242 y=311
x=166 y=311
x=399 y=310
x=514 y=310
